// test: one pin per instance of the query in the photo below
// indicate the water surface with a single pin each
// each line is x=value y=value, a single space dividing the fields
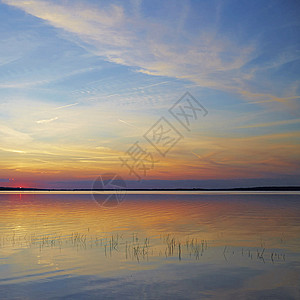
x=151 y=246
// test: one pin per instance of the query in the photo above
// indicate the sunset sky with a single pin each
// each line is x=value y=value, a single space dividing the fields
x=82 y=81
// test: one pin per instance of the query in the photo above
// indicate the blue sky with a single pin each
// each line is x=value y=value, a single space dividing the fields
x=81 y=81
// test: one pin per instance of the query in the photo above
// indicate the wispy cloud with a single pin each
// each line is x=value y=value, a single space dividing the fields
x=46 y=121
x=111 y=33
x=207 y=56
x=12 y=150
x=65 y=106
x=105 y=61
x=10 y=135
x=127 y=123
x=270 y=124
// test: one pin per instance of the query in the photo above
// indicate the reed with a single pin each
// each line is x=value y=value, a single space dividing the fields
x=135 y=247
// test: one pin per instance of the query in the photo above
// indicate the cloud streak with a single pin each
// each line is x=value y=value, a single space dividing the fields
x=47 y=121
x=270 y=124
x=108 y=70
x=205 y=57
x=65 y=106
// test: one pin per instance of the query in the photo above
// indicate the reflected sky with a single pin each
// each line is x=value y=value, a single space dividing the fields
x=239 y=244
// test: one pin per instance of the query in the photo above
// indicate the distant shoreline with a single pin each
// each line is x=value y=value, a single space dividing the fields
x=262 y=188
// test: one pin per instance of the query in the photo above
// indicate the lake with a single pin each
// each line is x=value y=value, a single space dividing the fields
x=150 y=245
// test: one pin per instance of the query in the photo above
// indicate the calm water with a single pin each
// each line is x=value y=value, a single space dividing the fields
x=171 y=246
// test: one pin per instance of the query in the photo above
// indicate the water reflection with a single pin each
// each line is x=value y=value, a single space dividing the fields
x=52 y=238
x=133 y=247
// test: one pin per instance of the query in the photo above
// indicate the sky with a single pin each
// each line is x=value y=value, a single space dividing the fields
x=89 y=88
